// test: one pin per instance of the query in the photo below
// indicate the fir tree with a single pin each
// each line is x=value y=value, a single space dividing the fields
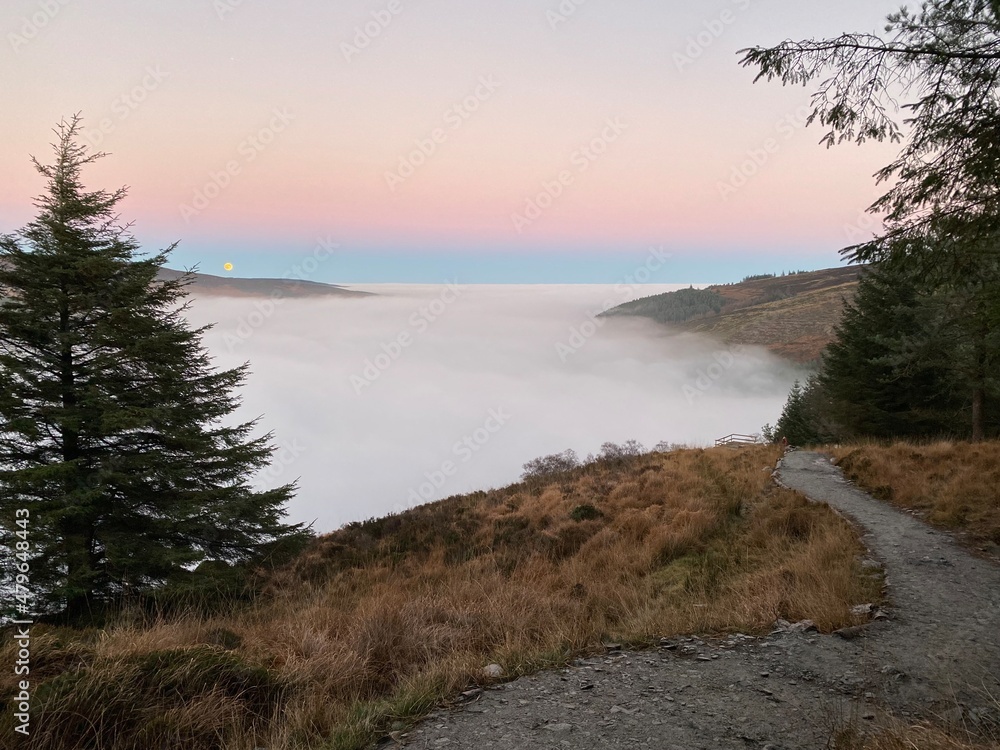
x=803 y=420
x=884 y=374
x=114 y=429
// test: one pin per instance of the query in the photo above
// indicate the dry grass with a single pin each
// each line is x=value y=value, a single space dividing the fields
x=908 y=737
x=798 y=328
x=377 y=622
x=952 y=485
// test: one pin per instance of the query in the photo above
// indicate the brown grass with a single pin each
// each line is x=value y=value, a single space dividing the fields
x=907 y=737
x=798 y=328
x=954 y=486
x=377 y=622
x=951 y=485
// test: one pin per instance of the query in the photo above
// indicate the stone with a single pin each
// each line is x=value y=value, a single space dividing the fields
x=849 y=634
x=493 y=671
x=805 y=626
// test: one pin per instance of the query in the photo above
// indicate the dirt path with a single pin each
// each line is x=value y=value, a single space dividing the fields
x=939 y=654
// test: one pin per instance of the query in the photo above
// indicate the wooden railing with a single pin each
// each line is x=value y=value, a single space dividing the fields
x=736 y=439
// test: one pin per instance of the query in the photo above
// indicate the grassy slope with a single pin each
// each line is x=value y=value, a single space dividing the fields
x=952 y=485
x=378 y=621
x=793 y=316
x=798 y=328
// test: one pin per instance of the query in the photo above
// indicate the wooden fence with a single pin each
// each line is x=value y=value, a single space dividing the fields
x=738 y=440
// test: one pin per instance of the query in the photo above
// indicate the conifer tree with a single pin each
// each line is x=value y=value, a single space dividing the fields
x=940 y=66
x=115 y=429
x=803 y=420
x=884 y=374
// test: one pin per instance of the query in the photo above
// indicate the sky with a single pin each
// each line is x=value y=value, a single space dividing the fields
x=383 y=403
x=522 y=141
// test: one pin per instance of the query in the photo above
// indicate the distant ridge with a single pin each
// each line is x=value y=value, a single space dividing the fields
x=794 y=316
x=219 y=286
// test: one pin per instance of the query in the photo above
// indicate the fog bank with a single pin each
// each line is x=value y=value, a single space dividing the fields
x=423 y=392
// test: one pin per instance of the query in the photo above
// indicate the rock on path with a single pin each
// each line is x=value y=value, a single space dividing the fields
x=939 y=654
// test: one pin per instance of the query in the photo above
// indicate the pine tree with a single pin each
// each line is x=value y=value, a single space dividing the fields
x=114 y=429
x=914 y=358
x=942 y=209
x=886 y=373
x=803 y=420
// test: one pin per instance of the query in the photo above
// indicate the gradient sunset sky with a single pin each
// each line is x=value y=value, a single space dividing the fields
x=250 y=131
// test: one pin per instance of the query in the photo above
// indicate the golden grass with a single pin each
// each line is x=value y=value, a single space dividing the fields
x=377 y=622
x=952 y=485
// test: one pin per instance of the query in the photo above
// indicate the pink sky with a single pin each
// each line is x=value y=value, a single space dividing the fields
x=183 y=90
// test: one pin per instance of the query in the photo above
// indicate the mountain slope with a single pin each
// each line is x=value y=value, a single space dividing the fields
x=794 y=316
x=219 y=286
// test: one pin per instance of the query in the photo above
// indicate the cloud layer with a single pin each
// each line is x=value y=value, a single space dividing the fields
x=428 y=391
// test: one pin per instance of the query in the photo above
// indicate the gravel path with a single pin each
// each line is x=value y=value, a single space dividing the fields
x=945 y=603
x=937 y=655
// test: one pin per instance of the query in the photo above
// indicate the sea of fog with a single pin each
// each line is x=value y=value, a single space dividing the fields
x=422 y=392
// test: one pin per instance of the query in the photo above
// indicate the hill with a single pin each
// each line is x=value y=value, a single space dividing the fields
x=794 y=316
x=219 y=286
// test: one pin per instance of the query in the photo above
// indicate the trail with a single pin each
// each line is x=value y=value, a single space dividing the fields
x=945 y=634
x=938 y=655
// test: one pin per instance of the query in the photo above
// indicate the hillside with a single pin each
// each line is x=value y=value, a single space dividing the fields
x=219 y=286
x=794 y=316
x=374 y=624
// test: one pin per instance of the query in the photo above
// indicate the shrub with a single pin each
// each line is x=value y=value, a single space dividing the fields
x=555 y=463
x=585 y=512
x=628 y=449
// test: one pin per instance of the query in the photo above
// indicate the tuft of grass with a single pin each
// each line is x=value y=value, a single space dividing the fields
x=899 y=736
x=374 y=624
x=194 y=697
x=952 y=485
